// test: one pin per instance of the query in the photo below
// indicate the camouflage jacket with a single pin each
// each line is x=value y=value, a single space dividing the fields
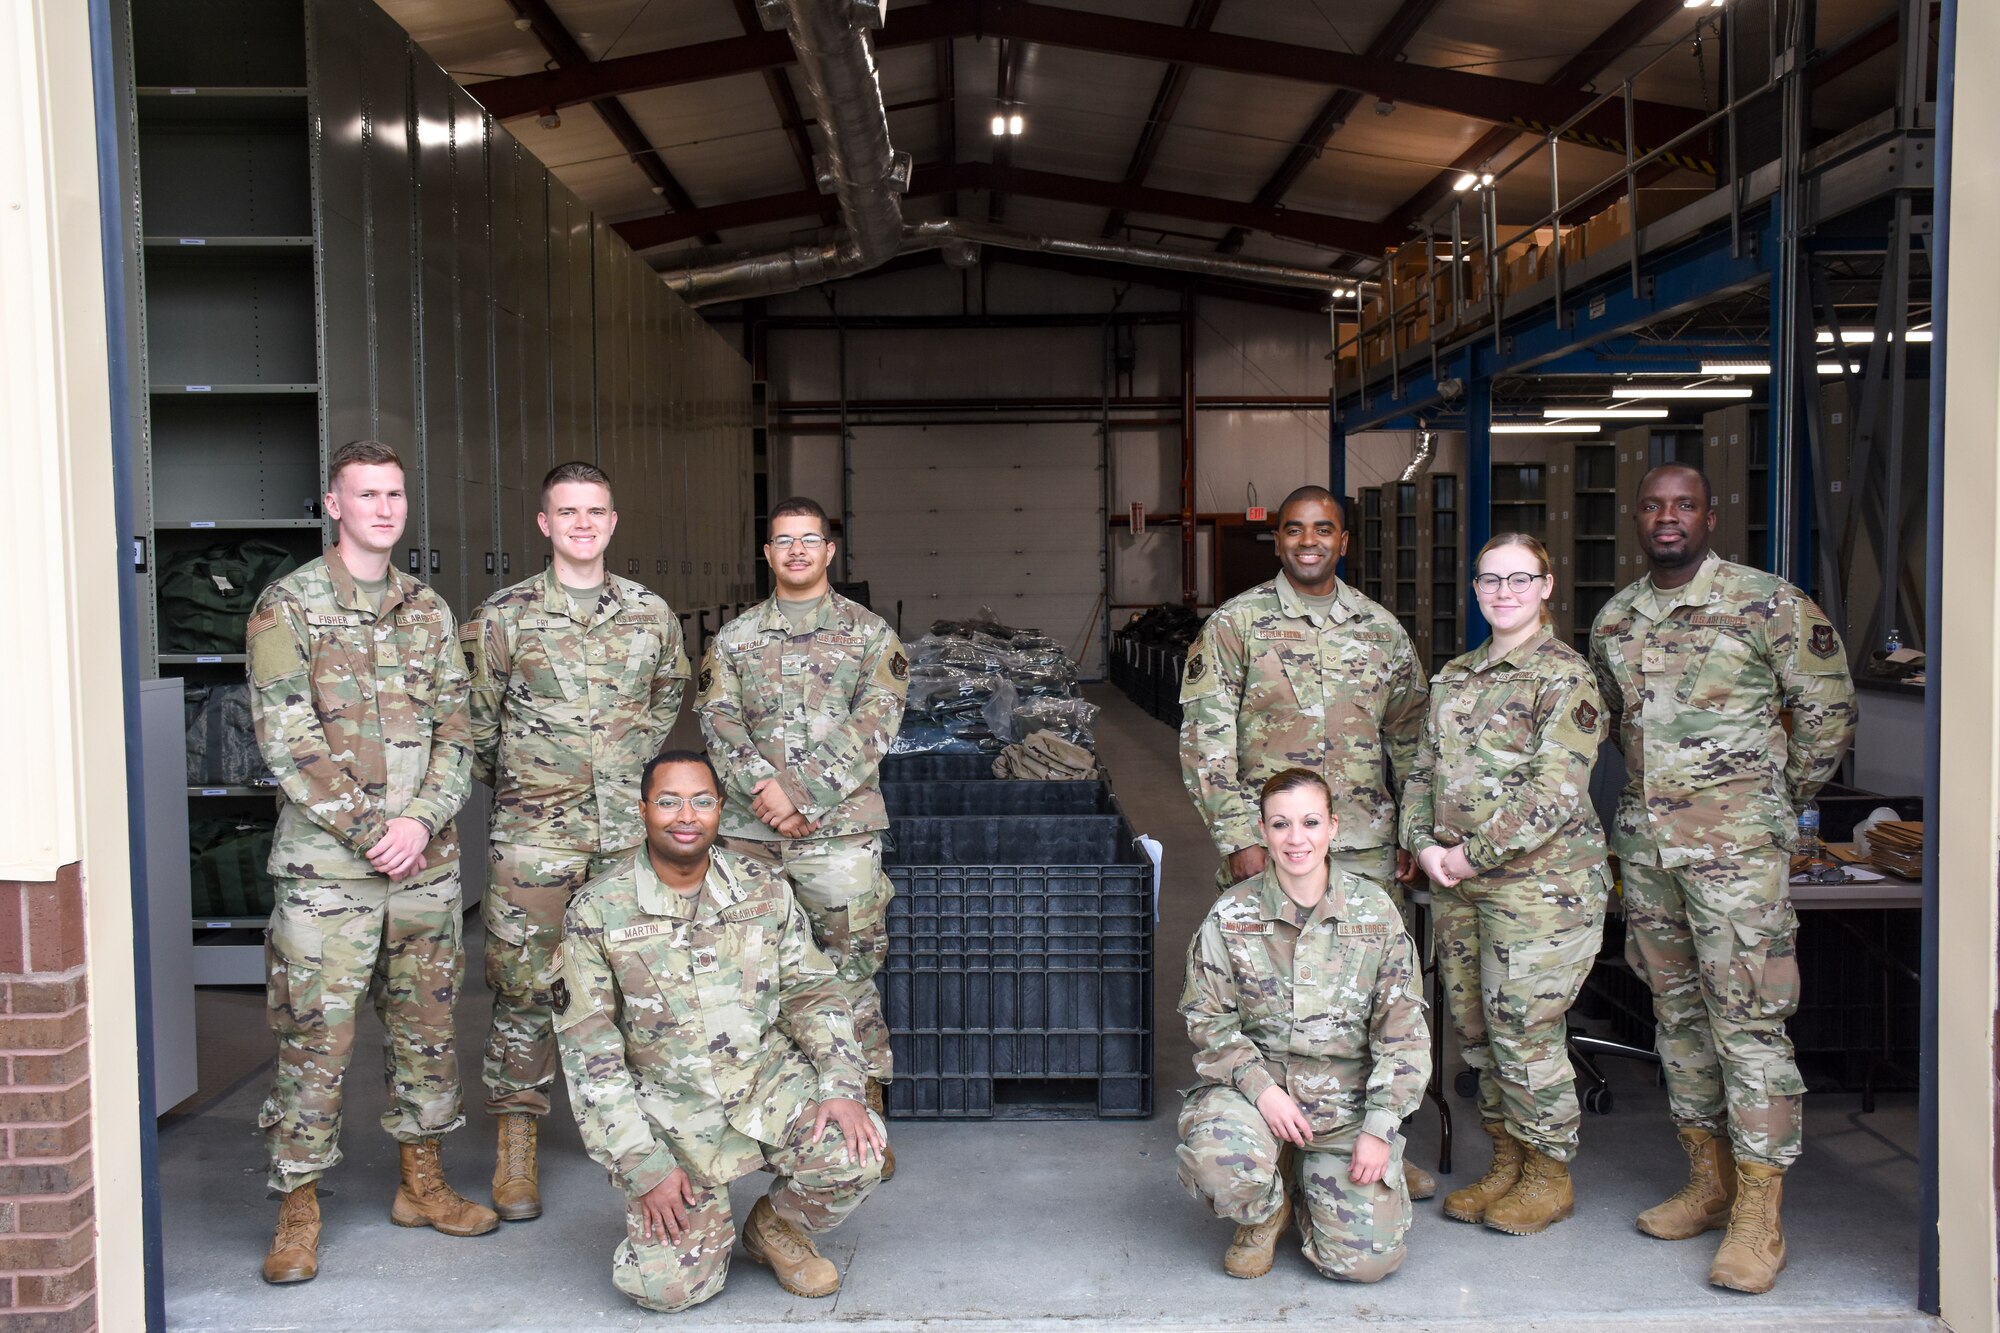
x=693 y=1028
x=360 y=714
x=1268 y=686
x=568 y=707
x=1504 y=771
x=1696 y=679
x=1323 y=1003
x=816 y=711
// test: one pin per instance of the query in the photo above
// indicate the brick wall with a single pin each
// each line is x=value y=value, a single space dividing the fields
x=48 y=1231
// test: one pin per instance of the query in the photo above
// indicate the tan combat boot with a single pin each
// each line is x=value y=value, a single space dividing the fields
x=1470 y=1203
x=517 y=1188
x=423 y=1199
x=1703 y=1203
x=1253 y=1249
x=876 y=1104
x=294 y=1255
x=1753 y=1252
x=1421 y=1183
x=1541 y=1198
x=788 y=1252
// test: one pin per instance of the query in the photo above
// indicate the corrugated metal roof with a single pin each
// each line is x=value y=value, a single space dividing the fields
x=1087 y=110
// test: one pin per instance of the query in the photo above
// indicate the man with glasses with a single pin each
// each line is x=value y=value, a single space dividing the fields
x=1305 y=672
x=577 y=677
x=799 y=699
x=704 y=1036
x=1698 y=662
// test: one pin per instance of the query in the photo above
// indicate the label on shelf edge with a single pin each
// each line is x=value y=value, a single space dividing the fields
x=199 y=388
x=180 y=92
x=201 y=660
x=201 y=523
x=194 y=240
x=215 y=791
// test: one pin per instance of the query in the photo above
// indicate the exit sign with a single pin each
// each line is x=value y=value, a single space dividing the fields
x=1254 y=514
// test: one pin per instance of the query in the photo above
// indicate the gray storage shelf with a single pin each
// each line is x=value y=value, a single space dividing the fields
x=233 y=390
x=201 y=659
x=233 y=524
x=232 y=791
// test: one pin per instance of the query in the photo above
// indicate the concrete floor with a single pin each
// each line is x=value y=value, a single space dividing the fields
x=1029 y=1224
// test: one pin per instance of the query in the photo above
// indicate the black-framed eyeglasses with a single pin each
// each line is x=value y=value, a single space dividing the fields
x=1520 y=581
x=670 y=804
x=812 y=541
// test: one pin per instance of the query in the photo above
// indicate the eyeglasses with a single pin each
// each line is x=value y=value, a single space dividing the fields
x=1520 y=581
x=670 y=804
x=812 y=541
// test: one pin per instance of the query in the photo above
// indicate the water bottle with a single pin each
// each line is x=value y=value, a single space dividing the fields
x=1894 y=643
x=1809 y=830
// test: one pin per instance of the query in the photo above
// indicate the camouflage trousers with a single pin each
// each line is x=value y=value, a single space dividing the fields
x=845 y=895
x=523 y=911
x=1228 y=1159
x=330 y=942
x=1715 y=943
x=817 y=1187
x=1512 y=953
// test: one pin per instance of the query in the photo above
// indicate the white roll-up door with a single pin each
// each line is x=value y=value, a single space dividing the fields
x=1010 y=516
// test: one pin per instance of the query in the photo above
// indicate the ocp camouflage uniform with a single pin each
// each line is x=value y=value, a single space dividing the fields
x=1323 y=1003
x=701 y=1032
x=1505 y=774
x=816 y=711
x=361 y=715
x=1698 y=677
x=1272 y=684
x=568 y=703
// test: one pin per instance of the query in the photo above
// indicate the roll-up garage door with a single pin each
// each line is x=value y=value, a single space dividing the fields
x=949 y=519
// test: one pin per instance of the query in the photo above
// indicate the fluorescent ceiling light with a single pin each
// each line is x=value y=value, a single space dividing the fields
x=1606 y=413
x=1465 y=182
x=1736 y=367
x=1545 y=427
x=1868 y=336
x=1711 y=391
x=999 y=123
x=1015 y=124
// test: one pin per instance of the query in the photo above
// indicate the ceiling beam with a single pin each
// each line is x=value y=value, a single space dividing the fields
x=563 y=49
x=1349 y=234
x=945 y=57
x=1632 y=27
x=1479 y=96
x=1388 y=44
x=1201 y=17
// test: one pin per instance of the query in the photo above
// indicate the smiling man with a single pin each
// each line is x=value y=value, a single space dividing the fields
x=577 y=677
x=705 y=1036
x=358 y=694
x=1697 y=662
x=1305 y=672
x=799 y=698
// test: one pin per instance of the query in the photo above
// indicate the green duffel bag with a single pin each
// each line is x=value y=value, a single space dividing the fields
x=226 y=859
x=206 y=596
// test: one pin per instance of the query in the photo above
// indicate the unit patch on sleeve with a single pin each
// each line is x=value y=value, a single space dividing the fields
x=559 y=996
x=1585 y=716
x=1195 y=667
x=899 y=666
x=707 y=679
x=1822 y=642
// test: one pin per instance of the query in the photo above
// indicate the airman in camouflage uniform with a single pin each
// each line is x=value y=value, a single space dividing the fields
x=699 y=1033
x=569 y=700
x=1505 y=775
x=1697 y=673
x=360 y=712
x=1324 y=1003
x=1276 y=682
x=802 y=713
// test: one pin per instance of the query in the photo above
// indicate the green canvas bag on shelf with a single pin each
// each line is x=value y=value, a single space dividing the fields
x=206 y=596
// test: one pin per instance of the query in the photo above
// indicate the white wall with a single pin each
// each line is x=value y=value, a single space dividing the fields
x=1243 y=351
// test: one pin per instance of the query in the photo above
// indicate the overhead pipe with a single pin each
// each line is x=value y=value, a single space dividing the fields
x=866 y=174
x=860 y=168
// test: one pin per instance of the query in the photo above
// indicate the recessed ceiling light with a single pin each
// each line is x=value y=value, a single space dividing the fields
x=1709 y=391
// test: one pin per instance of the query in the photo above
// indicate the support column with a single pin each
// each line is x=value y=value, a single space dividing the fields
x=1190 y=592
x=1336 y=471
x=1478 y=495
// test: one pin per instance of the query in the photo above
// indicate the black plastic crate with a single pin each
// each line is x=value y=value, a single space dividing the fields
x=1008 y=840
x=1021 y=992
x=944 y=767
x=1023 y=796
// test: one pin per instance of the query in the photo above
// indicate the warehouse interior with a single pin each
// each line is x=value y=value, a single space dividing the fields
x=1050 y=305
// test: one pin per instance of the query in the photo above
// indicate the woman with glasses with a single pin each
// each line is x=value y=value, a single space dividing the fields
x=1498 y=814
